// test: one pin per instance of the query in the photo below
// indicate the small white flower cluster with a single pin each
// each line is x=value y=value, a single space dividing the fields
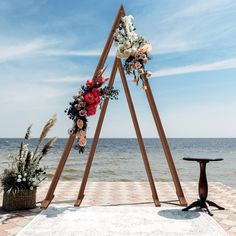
x=23 y=178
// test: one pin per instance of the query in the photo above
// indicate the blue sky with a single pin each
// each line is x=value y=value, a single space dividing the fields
x=48 y=48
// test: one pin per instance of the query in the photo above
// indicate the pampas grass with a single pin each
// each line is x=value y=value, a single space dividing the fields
x=45 y=131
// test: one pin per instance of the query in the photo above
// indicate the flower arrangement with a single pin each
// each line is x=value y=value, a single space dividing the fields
x=134 y=48
x=85 y=104
x=25 y=171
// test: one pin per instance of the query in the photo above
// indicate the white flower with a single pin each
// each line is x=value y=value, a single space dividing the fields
x=19 y=176
x=31 y=188
x=34 y=184
x=133 y=51
x=127 y=44
x=25 y=174
x=18 y=180
x=127 y=52
x=119 y=54
x=24 y=179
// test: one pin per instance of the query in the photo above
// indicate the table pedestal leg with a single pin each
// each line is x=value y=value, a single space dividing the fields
x=215 y=205
x=203 y=192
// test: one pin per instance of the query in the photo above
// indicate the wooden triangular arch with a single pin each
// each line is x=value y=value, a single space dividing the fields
x=118 y=65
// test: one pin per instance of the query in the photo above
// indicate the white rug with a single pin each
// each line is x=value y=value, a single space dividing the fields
x=64 y=220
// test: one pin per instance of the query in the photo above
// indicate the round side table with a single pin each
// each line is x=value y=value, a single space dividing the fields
x=202 y=202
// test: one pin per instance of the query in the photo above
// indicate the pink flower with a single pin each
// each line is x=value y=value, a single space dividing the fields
x=82 y=142
x=138 y=55
x=81 y=134
x=145 y=60
x=80 y=123
x=77 y=106
x=141 y=71
x=96 y=92
x=149 y=74
x=137 y=65
x=82 y=112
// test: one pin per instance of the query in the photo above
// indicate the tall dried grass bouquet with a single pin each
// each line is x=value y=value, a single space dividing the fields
x=25 y=171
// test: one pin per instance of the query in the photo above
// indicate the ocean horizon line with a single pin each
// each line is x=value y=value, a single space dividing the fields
x=132 y=138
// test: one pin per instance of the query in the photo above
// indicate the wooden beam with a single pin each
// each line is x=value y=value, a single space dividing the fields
x=164 y=143
x=139 y=135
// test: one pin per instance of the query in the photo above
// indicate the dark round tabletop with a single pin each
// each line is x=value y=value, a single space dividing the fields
x=202 y=159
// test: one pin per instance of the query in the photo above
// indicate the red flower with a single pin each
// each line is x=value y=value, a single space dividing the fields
x=96 y=92
x=89 y=98
x=97 y=100
x=91 y=110
x=101 y=79
x=90 y=83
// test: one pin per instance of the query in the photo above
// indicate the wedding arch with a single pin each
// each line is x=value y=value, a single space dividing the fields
x=143 y=76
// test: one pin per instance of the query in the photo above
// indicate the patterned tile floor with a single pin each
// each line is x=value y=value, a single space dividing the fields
x=131 y=193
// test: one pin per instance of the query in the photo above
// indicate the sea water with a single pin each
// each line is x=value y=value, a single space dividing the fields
x=120 y=159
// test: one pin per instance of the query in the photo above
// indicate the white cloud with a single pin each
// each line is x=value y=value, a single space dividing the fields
x=200 y=7
x=67 y=79
x=76 y=53
x=21 y=50
x=174 y=45
x=219 y=65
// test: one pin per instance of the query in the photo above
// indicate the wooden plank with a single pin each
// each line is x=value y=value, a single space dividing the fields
x=57 y=175
x=95 y=139
x=164 y=143
x=139 y=135
x=100 y=65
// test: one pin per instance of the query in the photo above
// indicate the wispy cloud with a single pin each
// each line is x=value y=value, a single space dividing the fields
x=219 y=65
x=64 y=52
x=203 y=6
x=76 y=53
x=21 y=50
x=66 y=79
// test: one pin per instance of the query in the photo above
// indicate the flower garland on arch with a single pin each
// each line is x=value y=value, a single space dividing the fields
x=134 y=48
x=85 y=104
